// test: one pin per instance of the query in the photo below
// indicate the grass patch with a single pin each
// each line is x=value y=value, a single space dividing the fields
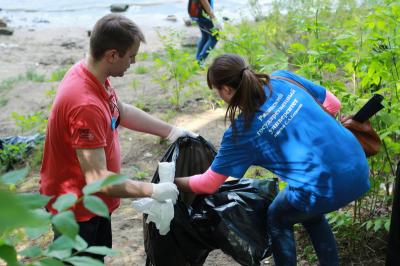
x=141 y=70
x=142 y=56
x=139 y=174
x=169 y=115
x=135 y=84
x=3 y=102
x=32 y=75
x=59 y=74
x=9 y=83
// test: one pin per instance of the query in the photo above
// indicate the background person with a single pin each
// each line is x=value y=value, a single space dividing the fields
x=82 y=144
x=279 y=126
x=207 y=22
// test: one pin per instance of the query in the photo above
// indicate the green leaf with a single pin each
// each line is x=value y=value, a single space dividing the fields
x=369 y=225
x=80 y=243
x=64 y=202
x=99 y=184
x=35 y=232
x=101 y=250
x=92 y=187
x=13 y=214
x=59 y=254
x=378 y=225
x=387 y=225
x=9 y=255
x=14 y=177
x=49 y=262
x=31 y=252
x=84 y=261
x=96 y=205
x=65 y=223
x=33 y=200
x=61 y=243
x=114 y=180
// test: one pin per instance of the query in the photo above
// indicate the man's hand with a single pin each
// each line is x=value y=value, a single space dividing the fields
x=165 y=191
x=177 y=132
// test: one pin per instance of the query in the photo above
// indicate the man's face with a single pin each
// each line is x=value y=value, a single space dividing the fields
x=122 y=64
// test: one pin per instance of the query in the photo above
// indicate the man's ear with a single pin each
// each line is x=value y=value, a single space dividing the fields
x=111 y=55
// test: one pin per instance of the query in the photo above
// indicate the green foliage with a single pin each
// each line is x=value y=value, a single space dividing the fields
x=96 y=186
x=140 y=69
x=64 y=202
x=3 y=102
x=255 y=9
x=249 y=39
x=33 y=122
x=9 y=83
x=143 y=56
x=140 y=174
x=33 y=76
x=11 y=154
x=168 y=115
x=59 y=74
x=96 y=205
x=13 y=177
x=352 y=48
x=135 y=84
x=141 y=105
x=258 y=172
x=178 y=68
x=24 y=211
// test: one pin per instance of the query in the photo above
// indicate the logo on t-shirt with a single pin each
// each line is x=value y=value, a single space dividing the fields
x=279 y=114
x=85 y=133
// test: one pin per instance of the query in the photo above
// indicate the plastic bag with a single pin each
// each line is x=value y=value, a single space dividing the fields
x=160 y=213
x=233 y=219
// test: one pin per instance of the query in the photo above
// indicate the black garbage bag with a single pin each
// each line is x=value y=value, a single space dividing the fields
x=233 y=219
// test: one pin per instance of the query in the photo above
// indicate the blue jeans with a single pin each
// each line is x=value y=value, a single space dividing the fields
x=207 y=40
x=281 y=218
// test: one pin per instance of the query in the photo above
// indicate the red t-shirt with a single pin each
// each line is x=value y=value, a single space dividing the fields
x=80 y=119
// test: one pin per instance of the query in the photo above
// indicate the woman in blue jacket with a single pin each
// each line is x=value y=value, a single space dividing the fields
x=281 y=127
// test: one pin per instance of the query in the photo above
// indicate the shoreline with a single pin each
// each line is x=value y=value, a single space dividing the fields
x=46 y=50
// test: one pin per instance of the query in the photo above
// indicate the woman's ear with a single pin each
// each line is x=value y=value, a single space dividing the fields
x=228 y=91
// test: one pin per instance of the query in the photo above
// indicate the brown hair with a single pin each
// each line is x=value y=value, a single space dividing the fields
x=114 y=32
x=231 y=70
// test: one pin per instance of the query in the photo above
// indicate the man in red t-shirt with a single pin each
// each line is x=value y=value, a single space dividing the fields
x=82 y=143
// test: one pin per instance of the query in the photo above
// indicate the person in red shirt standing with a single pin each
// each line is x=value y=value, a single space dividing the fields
x=82 y=145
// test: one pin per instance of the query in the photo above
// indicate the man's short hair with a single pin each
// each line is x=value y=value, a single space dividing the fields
x=114 y=32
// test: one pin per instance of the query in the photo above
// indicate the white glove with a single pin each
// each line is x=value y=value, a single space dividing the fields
x=177 y=132
x=165 y=191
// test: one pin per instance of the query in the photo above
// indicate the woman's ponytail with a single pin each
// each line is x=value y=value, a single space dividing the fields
x=231 y=70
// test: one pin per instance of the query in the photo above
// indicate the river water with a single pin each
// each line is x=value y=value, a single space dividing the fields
x=84 y=13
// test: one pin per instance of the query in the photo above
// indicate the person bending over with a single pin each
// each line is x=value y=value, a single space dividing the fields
x=278 y=125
